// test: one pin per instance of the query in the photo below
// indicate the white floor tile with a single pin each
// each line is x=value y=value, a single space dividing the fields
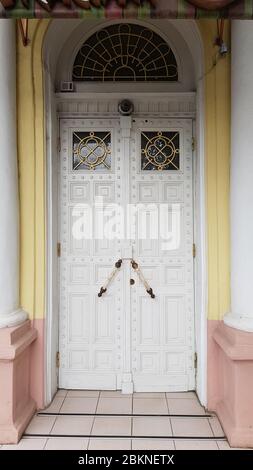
x=153 y=406
x=27 y=444
x=149 y=395
x=83 y=394
x=196 y=445
x=117 y=405
x=55 y=406
x=110 y=444
x=61 y=393
x=152 y=444
x=66 y=443
x=182 y=395
x=113 y=394
x=186 y=406
x=224 y=445
x=195 y=427
x=112 y=426
x=40 y=425
x=72 y=425
x=216 y=427
x=79 y=405
x=151 y=426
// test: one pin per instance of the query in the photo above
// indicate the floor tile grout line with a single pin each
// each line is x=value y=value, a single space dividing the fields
x=63 y=402
x=53 y=425
x=93 y=422
x=171 y=426
x=167 y=403
x=211 y=427
x=146 y=437
x=44 y=447
x=139 y=415
x=217 y=445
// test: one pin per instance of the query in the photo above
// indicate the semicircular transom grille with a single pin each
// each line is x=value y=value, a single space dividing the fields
x=125 y=52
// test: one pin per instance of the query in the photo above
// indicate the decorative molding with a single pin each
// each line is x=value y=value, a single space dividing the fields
x=239 y=322
x=48 y=5
x=237 y=345
x=12 y=319
x=211 y=4
x=79 y=104
x=191 y=34
x=118 y=8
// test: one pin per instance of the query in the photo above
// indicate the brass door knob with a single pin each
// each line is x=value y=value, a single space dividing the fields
x=132 y=282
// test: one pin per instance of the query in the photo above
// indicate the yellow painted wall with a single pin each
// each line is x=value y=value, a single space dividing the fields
x=217 y=145
x=31 y=154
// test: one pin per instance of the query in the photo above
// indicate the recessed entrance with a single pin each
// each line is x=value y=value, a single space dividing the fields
x=126 y=194
x=174 y=103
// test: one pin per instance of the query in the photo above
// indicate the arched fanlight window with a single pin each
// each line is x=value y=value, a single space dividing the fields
x=125 y=52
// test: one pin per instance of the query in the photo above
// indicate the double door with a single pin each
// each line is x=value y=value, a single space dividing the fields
x=126 y=194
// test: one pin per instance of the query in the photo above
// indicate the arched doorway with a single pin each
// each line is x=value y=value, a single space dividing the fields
x=153 y=348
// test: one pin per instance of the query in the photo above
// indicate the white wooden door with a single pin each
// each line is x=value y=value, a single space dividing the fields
x=161 y=184
x=90 y=327
x=125 y=339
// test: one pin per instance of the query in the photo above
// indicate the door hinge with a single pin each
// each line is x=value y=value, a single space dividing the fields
x=193 y=144
x=194 y=250
x=58 y=249
x=195 y=361
x=57 y=359
x=59 y=144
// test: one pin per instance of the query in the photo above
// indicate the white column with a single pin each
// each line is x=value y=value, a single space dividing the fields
x=10 y=313
x=241 y=316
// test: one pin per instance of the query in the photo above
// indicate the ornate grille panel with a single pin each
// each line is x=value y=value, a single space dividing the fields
x=91 y=150
x=125 y=52
x=160 y=151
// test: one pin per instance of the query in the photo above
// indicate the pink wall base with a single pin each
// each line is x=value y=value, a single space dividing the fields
x=16 y=405
x=230 y=382
x=38 y=365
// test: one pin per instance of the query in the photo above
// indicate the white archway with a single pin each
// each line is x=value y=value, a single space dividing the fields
x=61 y=41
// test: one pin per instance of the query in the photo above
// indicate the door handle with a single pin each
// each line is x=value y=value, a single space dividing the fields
x=103 y=289
x=137 y=269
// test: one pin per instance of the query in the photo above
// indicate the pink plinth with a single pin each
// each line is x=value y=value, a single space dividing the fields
x=230 y=382
x=16 y=405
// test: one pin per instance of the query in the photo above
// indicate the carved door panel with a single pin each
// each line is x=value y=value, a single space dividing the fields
x=161 y=184
x=90 y=327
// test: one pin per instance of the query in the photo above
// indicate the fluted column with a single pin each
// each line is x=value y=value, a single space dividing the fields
x=241 y=315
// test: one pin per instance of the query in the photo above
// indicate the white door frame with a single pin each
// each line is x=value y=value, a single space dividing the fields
x=189 y=30
x=65 y=106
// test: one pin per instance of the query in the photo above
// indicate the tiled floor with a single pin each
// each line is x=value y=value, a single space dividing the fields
x=79 y=419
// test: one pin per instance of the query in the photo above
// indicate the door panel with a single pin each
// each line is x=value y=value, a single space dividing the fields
x=90 y=342
x=163 y=328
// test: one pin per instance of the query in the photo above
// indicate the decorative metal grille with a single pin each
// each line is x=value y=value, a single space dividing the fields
x=125 y=52
x=160 y=151
x=91 y=151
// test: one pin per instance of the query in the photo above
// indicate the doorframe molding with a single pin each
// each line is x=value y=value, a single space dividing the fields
x=58 y=105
